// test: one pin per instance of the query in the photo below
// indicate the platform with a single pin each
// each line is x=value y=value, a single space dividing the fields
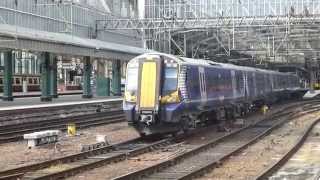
x=34 y=102
x=38 y=94
x=312 y=94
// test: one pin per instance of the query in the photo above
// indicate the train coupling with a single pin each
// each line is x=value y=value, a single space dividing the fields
x=147 y=119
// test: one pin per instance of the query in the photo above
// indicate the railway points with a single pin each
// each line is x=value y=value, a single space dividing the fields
x=200 y=159
x=128 y=137
x=18 y=154
x=164 y=153
x=254 y=161
x=299 y=162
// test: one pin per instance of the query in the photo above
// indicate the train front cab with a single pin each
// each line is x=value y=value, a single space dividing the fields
x=151 y=94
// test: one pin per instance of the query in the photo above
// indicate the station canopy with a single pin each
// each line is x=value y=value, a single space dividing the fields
x=103 y=5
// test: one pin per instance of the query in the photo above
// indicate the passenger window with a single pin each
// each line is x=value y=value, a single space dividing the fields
x=30 y=80
x=35 y=81
x=18 y=81
x=1 y=80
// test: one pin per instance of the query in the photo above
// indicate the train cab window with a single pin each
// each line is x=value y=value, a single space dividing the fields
x=170 y=80
x=17 y=80
x=132 y=79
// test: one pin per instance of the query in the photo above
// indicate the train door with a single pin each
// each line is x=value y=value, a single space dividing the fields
x=149 y=84
x=203 y=88
x=255 y=90
x=249 y=84
x=245 y=84
x=234 y=83
x=267 y=87
x=271 y=81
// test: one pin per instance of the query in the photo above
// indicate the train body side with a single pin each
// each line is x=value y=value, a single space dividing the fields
x=226 y=87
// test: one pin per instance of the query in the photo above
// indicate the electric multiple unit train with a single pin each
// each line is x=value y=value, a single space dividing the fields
x=166 y=94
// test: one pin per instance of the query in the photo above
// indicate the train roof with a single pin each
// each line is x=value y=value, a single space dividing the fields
x=183 y=60
x=225 y=65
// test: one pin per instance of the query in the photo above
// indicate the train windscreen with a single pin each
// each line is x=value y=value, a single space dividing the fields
x=132 y=80
x=131 y=83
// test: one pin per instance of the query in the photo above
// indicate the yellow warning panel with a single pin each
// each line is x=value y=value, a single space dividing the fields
x=148 y=85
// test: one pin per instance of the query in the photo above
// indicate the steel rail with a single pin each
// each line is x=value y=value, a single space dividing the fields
x=124 y=151
x=11 y=129
x=279 y=163
x=112 y=148
x=215 y=160
x=84 y=121
x=12 y=177
x=5 y=120
x=118 y=157
x=119 y=153
x=103 y=161
x=204 y=169
x=66 y=159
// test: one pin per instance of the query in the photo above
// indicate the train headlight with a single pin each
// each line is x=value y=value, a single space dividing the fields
x=171 y=98
x=129 y=97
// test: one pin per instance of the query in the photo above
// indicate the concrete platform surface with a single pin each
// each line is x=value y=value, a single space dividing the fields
x=311 y=94
x=38 y=94
x=34 y=102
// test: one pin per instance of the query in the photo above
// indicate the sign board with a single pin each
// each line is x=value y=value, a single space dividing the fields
x=68 y=66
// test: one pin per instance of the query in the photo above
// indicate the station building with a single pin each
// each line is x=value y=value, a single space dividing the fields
x=55 y=45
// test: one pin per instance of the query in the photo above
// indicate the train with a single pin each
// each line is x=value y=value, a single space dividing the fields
x=33 y=82
x=166 y=94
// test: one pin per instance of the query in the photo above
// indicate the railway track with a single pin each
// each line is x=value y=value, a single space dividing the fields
x=11 y=133
x=198 y=160
x=17 y=117
x=282 y=160
x=87 y=160
x=12 y=177
x=93 y=158
x=70 y=165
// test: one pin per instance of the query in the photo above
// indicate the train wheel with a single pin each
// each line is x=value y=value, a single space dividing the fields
x=177 y=133
x=142 y=134
x=185 y=123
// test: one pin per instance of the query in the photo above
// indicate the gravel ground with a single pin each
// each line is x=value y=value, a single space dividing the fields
x=305 y=163
x=145 y=160
x=17 y=154
x=253 y=160
x=155 y=157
